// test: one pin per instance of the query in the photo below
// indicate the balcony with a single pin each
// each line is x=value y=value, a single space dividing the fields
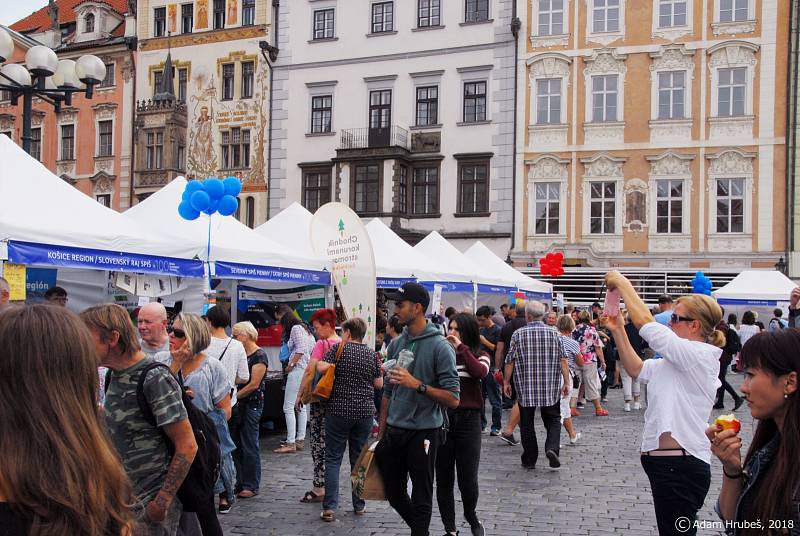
x=389 y=142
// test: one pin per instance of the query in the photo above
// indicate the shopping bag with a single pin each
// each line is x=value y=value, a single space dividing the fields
x=366 y=478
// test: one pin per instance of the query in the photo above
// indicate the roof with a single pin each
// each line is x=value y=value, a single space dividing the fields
x=40 y=20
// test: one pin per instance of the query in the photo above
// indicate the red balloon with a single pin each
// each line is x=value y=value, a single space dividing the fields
x=560 y=271
x=559 y=257
x=542 y=261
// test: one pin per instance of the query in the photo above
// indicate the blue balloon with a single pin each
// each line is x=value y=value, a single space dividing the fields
x=200 y=201
x=187 y=212
x=186 y=195
x=193 y=186
x=212 y=207
x=227 y=205
x=214 y=188
x=233 y=186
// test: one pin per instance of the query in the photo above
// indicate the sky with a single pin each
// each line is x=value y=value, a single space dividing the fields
x=13 y=10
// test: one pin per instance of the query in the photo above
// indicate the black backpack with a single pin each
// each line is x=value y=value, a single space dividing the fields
x=733 y=344
x=198 y=485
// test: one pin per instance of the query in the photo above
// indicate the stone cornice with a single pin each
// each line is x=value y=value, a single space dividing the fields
x=204 y=38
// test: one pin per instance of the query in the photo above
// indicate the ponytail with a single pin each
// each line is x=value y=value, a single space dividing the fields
x=717 y=338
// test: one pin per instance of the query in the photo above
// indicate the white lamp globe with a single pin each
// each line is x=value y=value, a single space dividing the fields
x=65 y=75
x=17 y=73
x=6 y=45
x=90 y=69
x=41 y=61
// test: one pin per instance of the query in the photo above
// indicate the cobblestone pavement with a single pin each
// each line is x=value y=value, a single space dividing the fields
x=600 y=489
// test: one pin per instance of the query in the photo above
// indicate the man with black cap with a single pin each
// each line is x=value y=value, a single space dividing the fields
x=412 y=417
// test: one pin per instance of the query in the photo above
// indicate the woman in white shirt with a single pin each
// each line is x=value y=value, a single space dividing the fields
x=681 y=388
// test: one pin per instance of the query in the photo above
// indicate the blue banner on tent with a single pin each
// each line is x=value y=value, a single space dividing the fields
x=385 y=282
x=449 y=287
x=494 y=289
x=50 y=255
x=541 y=296
x=756 y=303
x=232 y=270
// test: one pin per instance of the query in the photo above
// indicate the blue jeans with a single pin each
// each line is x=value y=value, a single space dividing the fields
x=340 y=432
x=244 y=431
x=492 y=391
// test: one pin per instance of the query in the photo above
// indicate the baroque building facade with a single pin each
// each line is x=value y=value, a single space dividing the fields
x=654 y=134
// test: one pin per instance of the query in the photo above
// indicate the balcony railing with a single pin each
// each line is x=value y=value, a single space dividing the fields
x=372 y=138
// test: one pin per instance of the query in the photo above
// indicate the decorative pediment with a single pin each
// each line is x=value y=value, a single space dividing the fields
x=603 y=165
x=549 y=65
x=731 y=162
x=673 y=58
x=6 y=122
x=670 y=164
x=732 y=54
x=605 y=61
x=103 y=182
x=105 y=110
x=547 y=167
x=69 y=180
x=67 y=115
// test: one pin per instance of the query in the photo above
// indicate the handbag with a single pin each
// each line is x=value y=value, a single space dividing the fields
x=324 y=387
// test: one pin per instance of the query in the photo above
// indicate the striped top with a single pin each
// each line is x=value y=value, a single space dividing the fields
x=536 y=351
x=572 y=349
x=471 y=370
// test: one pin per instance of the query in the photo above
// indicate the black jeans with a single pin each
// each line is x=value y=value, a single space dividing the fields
x=461 y=454
x=551 y=417
x=723 y=372
x=402 y=454
x=680 y=485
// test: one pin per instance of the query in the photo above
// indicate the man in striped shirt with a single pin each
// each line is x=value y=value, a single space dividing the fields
x=537 y=361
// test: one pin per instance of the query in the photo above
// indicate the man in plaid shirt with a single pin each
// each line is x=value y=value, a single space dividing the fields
x=537 y=360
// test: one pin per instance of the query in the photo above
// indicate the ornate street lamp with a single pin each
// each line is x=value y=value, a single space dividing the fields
x=46 y=77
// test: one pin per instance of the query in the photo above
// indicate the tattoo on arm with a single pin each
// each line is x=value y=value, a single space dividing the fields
x=176 y=473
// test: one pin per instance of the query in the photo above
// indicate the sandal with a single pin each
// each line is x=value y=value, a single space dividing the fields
x=246 y=494
x=601 y=412
x=328 y=516
x=311 y=497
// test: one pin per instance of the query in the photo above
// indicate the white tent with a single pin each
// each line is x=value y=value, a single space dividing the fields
x=291 y=227
x=756 y=287
x=487 y=260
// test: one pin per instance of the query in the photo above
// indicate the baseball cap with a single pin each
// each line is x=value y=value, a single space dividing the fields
x=413 y=292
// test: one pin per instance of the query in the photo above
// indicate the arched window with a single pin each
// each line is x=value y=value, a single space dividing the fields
x=250 y=211
x=88 y=22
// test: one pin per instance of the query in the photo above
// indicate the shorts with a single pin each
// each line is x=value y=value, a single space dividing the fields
x=591 y=381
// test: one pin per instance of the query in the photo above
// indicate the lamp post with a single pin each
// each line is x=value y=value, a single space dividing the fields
x=46 y=77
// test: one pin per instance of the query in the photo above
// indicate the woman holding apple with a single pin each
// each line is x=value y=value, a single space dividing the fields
x=681 y=388
x=767 y=486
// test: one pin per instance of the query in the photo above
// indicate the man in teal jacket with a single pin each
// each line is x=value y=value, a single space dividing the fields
x=412 y=416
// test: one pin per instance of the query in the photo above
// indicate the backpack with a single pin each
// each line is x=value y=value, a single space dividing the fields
x=198 y=485
x=777 y=321
x=733 y=344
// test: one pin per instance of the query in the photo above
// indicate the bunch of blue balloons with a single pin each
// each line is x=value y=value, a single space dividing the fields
x=210 y=196
x=701 y=284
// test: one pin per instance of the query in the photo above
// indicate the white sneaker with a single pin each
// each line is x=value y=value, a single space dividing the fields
x=627 y=406
x=637 y=405
x=573 y=441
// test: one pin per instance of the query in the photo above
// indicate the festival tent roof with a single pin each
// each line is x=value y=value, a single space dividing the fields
x=756 y=287
x=486 y=259
x=291 y=227
x=232 y=243
x=46 y=221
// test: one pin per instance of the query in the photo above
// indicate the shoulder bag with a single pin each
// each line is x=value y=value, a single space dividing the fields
x=324 y=387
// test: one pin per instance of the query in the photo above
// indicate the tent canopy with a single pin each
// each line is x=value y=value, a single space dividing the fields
x=487 y=260
x=291 y=227
x=238 y=252
x=756 y=287
x=70 y=229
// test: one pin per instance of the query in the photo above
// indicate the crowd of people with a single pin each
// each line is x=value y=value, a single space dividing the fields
x=165 y=413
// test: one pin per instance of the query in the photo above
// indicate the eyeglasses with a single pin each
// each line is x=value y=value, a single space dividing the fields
x=177 y=333
x=675 y=318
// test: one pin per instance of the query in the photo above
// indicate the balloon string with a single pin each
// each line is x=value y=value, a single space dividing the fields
x=208 y=253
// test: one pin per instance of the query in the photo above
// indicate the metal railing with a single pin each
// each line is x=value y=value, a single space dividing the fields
x=369 y=138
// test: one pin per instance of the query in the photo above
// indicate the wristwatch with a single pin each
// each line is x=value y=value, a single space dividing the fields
x=422 y=389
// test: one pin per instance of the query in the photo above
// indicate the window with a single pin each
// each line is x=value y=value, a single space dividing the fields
x=428 y=13
x=604 y=98
x=473 y=188
x=227 y=81
x=183 y=78
x=548 y=101
x=474 y=102
x=36 y=143
x=551 y=17
x=160 y=21
x=323 y=24
x=731 y=92
x=247 y=79
x=425 y=191
x=476 y=10
x=105 y=137
x=180 y=157
x=154 y=154
x=321 y=111
x=547 y=197
x=219 y=14
x=367 y=188
x=669 y=206
x=427 y=105
x=187 y=18
x=108 y=81
x=671 y=13
x=602 y=206
x=402 y=190
x=104 y=199
x=67 y=142
x=250 y=211
x=382 y=17
x=158 y=79
x=88 y=23
x=316 y=189
x=733 y=10
x=235 y=149
x=730 y=205
x=248 y=12
x=671 y=90
x=605 y=16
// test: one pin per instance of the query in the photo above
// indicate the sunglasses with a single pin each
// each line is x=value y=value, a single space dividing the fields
x=675 y=318
x=177 y=333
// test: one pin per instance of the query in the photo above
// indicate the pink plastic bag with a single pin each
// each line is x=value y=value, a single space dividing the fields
x=611 y=307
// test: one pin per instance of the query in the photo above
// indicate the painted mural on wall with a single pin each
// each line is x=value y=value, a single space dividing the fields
x=202 y=15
